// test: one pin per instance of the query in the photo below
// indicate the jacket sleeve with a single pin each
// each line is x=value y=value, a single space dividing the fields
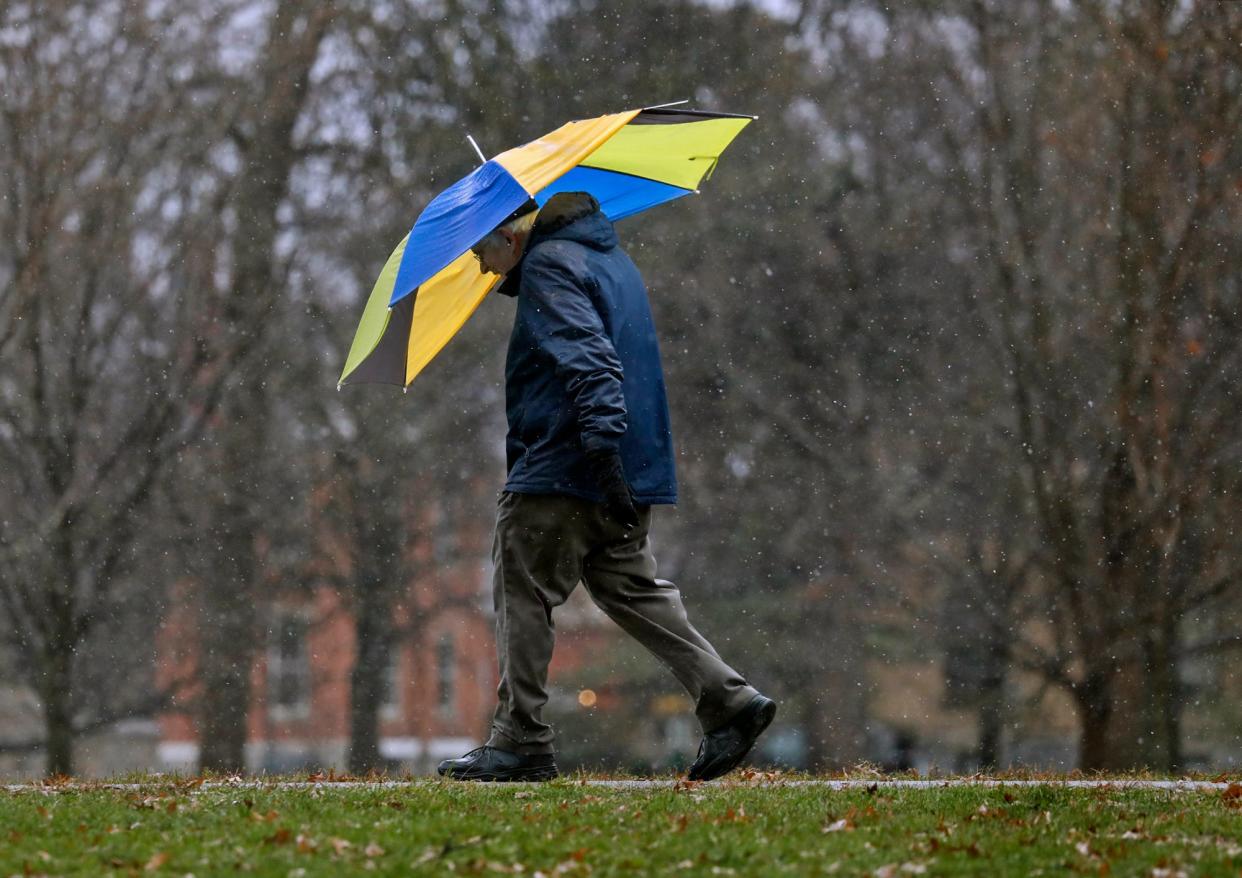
x=568 y=328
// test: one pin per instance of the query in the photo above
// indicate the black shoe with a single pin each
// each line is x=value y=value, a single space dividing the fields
x=489 y=764
x=722 y=750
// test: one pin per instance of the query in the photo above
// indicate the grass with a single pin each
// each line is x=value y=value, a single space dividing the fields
x=567 y=828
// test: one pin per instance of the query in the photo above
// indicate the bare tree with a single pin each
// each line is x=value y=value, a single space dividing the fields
x=1084 y=155
x=104 y=383
x=264 y=137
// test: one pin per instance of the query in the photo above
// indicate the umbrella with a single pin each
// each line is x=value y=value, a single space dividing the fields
x=431 y=283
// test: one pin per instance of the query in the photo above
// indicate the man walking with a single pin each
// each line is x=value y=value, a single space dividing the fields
x=589 y=452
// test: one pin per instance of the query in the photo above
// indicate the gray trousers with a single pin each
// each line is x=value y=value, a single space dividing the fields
x=545 y=545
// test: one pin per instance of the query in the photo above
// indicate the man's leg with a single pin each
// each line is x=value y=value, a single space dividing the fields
x=620 y=575
x=538 y=551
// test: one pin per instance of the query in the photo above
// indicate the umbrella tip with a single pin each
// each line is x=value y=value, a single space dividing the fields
x=338 y=387
x=405 y=389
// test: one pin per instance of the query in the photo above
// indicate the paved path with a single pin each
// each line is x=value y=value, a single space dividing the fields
x=853 y=783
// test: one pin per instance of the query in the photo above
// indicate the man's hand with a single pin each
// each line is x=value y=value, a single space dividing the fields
x=610 y=475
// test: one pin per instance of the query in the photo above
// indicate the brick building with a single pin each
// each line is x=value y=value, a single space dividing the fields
x=440 y=683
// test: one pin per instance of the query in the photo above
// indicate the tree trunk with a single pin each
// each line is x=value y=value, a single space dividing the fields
x=1094 y=699
x=226 y=656
x=372 y=654
x=1142 y=721
x=989 y=751
x=1131 y=719
x=379 y=574
x=269 y=155
x=222 y=722
x=57 y=708
x=836 y=711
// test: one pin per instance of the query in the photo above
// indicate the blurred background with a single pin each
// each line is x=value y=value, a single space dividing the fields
x=951 y=337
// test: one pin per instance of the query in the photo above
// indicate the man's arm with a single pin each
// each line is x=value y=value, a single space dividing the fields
x=570 y=329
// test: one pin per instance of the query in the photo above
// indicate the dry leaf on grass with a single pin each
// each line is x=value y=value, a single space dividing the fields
x=156 y=862
x=280 y=836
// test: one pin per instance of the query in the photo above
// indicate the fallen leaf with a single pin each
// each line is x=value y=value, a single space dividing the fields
x=732 y=816
x=340 y=845
x=156 y=862
x=841 y=825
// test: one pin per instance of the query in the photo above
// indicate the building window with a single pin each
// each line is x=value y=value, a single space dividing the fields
x=288 y=666
x=446 y=667
x=390 y=700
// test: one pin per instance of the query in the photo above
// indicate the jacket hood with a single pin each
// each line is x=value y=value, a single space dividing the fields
x=567 y=216
x=573 y=216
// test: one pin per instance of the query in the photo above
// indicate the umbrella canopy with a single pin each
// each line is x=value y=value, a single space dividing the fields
x=431 y=283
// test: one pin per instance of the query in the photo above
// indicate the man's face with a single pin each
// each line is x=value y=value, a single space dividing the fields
x=499 y=258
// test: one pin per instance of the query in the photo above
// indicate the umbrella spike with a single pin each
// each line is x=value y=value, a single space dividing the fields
x=478 y=152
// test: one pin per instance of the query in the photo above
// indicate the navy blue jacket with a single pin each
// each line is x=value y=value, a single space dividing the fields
x=583 y=370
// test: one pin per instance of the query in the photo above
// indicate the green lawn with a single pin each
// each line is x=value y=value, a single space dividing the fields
x=569 y=828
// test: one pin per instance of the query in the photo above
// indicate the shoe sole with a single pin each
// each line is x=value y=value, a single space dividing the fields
x=759 y=723
x=515 y=776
